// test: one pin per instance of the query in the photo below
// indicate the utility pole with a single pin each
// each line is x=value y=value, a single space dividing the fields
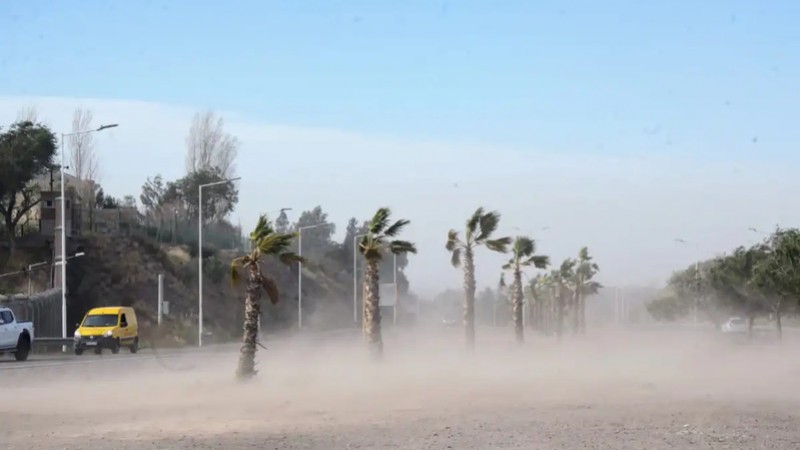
x=200 y=255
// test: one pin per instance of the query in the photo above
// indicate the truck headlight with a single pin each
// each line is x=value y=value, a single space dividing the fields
x=108 y=333
x=77 y=334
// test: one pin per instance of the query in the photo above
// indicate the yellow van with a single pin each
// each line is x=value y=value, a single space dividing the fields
x=108 y=327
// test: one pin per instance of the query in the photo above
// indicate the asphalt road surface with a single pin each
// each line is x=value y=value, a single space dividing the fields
x=611 y=389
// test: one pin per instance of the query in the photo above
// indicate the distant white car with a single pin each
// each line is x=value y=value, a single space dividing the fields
x=735 y=325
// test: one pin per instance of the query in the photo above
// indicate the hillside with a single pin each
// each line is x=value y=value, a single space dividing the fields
x=123 y=270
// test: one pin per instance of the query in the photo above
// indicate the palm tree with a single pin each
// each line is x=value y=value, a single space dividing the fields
x=537 y=288
x=480 y=227
x=522 y=255
x=585 y=270
x=373 y=246
x=562 y=279
x=264 y=241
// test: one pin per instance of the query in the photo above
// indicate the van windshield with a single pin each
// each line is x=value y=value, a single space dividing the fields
x=100 y=320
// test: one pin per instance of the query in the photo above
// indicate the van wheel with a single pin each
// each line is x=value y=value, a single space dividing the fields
x=78 y=351
x=135 y=346
x=115 y=347
x=23 y=348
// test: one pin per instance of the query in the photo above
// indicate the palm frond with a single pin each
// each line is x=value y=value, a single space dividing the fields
x=488 y=225
x=472 y=224
x=262 y=229
x=273 y=244
x=397 y=247
x=538 y=261
x=396 y=228
x=498 y=245
x=591 y=288
x=234 y=274
x=234 y=270
x=270 y=287
x=379 y=221
x=290 y=258
x=455 y=258
x=452 y=240
x=502 y=284
x=523 y=247
x=508 y=266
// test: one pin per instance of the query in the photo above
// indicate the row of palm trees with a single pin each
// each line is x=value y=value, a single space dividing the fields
x=266 y=241
x=551 y=295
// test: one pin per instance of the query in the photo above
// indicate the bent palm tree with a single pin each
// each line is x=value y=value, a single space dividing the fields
x=480 y=227
x=585 y=270
x=562 y=279
x=264 y=242
x=522 y=255
x=373 y=246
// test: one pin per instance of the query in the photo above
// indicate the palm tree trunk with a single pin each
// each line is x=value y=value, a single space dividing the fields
x=561 y=299
x=575 y=310
x=582 y=309
x=519 y=332
x=372 y=309
x=252 y=309
x=469 y=300
x=778 y=325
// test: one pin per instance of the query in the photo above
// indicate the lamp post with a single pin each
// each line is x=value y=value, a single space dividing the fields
x=300 y=270
x=64 y=229
x=200 y=255
x=43 y=263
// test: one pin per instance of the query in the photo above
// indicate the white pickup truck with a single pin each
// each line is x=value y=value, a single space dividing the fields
x=15 y=337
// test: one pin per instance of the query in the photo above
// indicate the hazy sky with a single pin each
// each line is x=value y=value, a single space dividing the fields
x=620 y=125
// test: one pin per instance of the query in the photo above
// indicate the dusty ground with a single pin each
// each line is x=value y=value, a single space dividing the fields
x=613 y=389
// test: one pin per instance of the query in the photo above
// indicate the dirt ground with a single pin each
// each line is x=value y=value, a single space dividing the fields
x=644 y=388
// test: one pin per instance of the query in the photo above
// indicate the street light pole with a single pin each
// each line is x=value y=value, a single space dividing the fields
x=200 y=255
x=64 y=230
x=300 y=271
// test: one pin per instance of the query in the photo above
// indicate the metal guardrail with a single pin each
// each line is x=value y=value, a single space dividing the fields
x=43 y=344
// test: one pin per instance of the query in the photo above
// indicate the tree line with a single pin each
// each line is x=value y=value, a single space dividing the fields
x=563 y=289
x=757 y=281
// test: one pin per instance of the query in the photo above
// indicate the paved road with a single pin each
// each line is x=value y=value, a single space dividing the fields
x=612 y=389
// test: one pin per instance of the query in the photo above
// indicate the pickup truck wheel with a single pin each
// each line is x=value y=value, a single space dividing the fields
x=23 y=348
x=78 y=351
x=98 y=350
x=115 y=347
x=135 y=346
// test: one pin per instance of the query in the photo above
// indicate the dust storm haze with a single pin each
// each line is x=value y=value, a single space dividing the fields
x=640 y=387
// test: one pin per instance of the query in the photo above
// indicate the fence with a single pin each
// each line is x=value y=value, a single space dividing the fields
x=43 y=309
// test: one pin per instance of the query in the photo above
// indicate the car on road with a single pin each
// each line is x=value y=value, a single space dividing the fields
x=735 y=325
x=15 y=337
x=110 y=327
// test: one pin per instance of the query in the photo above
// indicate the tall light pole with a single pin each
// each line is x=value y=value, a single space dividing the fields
x=355 y=277
x=696 y=273
x=64 y=229
x=200 y=255
x=300 y=270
